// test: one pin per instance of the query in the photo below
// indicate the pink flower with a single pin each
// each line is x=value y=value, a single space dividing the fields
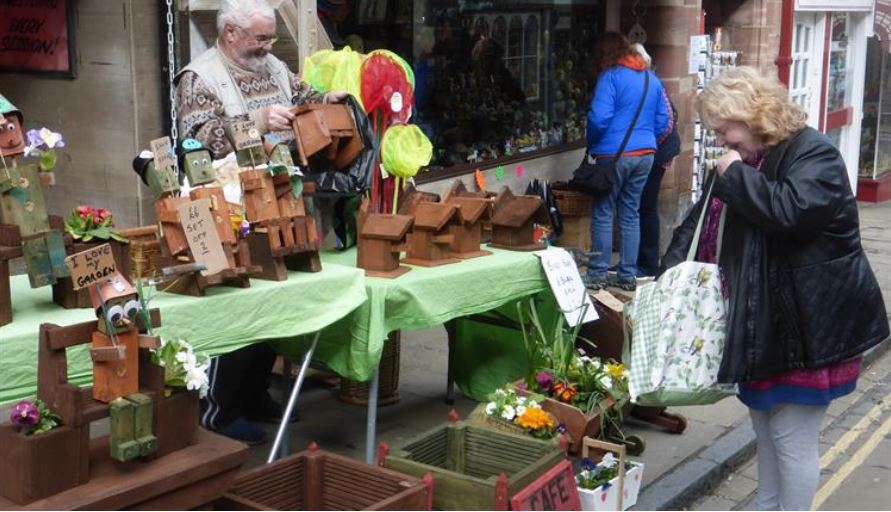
x=84 y=211
x=24 y=414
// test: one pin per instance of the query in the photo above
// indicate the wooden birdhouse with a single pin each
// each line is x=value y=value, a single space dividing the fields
x=10 y=247
x=513 y=223
x=259 y=196
x=166 y=210
x=411 y=197
x=380 y=240
x=472 y=211
x=430 y=241
x=331 y=128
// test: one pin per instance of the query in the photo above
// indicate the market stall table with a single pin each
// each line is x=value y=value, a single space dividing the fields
x=422 y=298
x=224 y=320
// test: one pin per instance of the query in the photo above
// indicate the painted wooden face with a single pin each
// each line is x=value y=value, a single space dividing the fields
x=162 y=182
x=199 y=167
x=12 y=140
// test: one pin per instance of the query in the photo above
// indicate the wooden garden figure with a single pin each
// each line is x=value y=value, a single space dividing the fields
x=288 y=187
x=380 y=242
x=430 y=241
x=513 y=223
x=282 y=236
x=115 y=355
x=196 y=161
x=22 y=204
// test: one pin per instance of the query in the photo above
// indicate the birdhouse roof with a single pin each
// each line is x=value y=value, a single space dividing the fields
x=471 y=208
x=518 y=210
x=386 y=227
x=434 y=216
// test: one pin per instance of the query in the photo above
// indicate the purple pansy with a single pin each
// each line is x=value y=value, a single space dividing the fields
x=24 y=414
x=545 y=380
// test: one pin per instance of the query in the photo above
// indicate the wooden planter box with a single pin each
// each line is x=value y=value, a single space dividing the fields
x=176 y=416
x=466 y=462
x=38 y=466
x=317 y=480
x=578 y=424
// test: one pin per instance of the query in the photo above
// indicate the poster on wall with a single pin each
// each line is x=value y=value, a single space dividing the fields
x=36 y=36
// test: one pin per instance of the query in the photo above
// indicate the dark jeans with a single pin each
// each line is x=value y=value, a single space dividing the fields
x=239 y=382
x=648 y=254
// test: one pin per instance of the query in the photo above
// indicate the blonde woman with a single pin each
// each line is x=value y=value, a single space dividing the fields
x=803 y=302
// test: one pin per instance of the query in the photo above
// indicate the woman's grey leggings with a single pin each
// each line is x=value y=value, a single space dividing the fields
x=788 y=455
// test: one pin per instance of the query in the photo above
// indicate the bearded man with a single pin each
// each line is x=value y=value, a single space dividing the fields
x=235 y=80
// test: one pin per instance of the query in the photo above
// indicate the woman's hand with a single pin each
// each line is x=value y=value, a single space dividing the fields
x=728 y=158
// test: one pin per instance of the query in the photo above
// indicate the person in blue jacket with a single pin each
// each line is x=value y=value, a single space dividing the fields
x=617 y=95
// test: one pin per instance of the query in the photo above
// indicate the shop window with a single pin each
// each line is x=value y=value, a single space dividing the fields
x=494 y=79
x=875 y=149
x=841 y=74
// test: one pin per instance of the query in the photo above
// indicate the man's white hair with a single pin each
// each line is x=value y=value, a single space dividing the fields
x=240 y=12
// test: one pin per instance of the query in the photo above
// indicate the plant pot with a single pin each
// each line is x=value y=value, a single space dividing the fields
x=40 y=465
x=176 y=422
x=608 y=498
x=48 y=178
x=578 y=424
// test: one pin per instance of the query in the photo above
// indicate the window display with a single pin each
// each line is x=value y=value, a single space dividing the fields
x=494 y=78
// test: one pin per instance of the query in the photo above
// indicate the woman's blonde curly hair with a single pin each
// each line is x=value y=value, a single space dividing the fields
x=743 y=94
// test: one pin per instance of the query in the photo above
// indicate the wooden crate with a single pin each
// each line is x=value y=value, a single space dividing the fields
x=466 y=462
x=318 y=480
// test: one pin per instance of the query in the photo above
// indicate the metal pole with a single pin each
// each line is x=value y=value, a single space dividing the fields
x=371 y=425
x=283 y=426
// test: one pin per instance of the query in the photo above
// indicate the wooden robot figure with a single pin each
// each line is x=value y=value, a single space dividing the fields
x=115 y=355
x=22 y=204
x=282 y=236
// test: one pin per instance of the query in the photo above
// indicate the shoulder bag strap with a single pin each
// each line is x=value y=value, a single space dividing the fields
x=706 y=205
x=640 y=105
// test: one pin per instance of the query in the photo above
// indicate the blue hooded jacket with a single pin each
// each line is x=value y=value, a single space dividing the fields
x=616 y=97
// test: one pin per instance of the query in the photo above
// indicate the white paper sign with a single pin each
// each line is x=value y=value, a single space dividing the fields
x=566 y=283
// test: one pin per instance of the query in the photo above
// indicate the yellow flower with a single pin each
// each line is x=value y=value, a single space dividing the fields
x=534 y=419
x=617 y=370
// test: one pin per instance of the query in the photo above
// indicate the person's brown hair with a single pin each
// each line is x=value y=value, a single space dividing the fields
x=611 y=47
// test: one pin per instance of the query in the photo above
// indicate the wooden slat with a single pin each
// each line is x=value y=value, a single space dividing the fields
x=59 y=338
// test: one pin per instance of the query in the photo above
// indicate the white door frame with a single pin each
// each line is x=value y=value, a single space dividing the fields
x=811 y=27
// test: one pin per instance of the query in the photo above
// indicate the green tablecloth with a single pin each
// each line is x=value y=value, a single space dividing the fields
x=222 y=321
x=422 y=298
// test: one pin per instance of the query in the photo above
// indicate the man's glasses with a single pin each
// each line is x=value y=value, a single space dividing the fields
x=261 y=40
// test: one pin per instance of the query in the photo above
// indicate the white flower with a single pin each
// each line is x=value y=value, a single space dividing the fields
x=596 y=363
x=490 y=408
x=196 y=378
x=521 y=409
x=187 y=359
x=532 y=404
x=500 y=392
x=608 y=461
x=521 y=400
x=606 y=381
x=508 y=413
x=585 y=359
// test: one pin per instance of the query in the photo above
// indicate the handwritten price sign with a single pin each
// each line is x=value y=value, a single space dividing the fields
x=566 y=283
x=202 y=236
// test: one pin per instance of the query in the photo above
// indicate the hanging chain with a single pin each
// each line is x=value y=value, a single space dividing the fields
x=171 y=73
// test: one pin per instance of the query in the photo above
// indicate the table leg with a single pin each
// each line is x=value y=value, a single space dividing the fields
x=371 y=425
x=450 y=328
x=281 y=437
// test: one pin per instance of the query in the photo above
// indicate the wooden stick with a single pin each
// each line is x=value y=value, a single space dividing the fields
x=610 y=447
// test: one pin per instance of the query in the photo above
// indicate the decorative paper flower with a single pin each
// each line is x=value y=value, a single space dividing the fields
x=24 y=414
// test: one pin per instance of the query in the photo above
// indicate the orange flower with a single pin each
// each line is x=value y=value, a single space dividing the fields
x=563 y=392
x=534 y=419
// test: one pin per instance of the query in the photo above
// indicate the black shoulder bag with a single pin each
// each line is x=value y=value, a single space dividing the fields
x=596 y=179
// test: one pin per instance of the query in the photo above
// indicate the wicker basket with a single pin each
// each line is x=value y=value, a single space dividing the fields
x=356 y=393
x=572 y=203
x=145 y=250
